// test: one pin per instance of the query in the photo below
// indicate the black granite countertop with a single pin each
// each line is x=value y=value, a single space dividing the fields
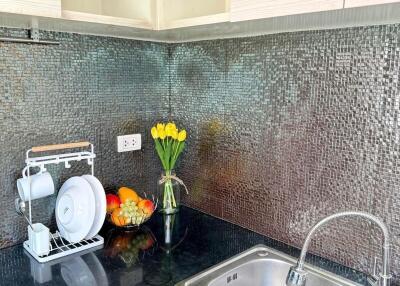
x=142 y=257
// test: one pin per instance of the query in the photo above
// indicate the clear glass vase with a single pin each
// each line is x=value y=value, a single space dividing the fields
x=169 y=194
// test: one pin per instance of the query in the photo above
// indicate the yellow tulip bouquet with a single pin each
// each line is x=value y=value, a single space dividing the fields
x=169 y=143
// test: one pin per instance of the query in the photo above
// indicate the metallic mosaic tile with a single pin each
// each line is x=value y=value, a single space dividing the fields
x=92 y=88
x=288 y=128
x=283 y=129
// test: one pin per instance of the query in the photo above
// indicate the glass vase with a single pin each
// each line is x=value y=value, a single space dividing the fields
x=169 y=194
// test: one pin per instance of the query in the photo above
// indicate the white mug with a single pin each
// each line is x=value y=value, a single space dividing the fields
x=39 y=239
x=41 y=185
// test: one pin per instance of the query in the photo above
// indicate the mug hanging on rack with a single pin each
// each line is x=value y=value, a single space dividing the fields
x=36 y=186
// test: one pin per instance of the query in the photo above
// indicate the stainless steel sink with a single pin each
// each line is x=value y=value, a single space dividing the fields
x=260 y=266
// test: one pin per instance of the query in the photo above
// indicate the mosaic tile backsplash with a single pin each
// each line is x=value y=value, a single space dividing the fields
x=286 y=129
x=86 y=88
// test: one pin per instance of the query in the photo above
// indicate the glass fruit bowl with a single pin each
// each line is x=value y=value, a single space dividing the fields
x=126 y=209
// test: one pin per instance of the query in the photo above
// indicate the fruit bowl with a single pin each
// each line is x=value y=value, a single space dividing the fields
x=126 y=209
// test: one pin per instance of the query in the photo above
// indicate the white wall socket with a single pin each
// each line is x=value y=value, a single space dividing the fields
x=129 y=142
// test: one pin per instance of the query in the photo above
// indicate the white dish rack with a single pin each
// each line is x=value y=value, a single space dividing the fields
x=59 y=247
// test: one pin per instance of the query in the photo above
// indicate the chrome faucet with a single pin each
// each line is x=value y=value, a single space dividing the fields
x=297 y=276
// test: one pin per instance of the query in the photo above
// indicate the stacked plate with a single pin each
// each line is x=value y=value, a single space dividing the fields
x=80 y=208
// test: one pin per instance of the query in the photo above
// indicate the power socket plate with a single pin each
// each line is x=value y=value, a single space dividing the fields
x=129 y=142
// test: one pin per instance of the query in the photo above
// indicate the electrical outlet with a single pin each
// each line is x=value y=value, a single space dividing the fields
x=130 y=142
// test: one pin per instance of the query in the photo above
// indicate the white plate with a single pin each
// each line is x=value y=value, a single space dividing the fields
x=101 y=205
x=75 y=209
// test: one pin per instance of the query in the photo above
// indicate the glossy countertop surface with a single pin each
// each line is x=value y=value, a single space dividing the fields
x=154 y=255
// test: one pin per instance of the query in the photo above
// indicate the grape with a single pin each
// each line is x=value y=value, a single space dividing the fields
x=132 y=213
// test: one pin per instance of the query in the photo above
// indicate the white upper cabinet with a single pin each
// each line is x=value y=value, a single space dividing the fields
x=242 y=10
x=359 y=3
x=130 y=13
x=44 y=8
x=184 y=13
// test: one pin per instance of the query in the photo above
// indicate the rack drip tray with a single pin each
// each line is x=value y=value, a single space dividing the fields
x=60 y=247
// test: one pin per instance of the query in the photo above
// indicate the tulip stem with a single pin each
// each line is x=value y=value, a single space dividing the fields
x=169 y=200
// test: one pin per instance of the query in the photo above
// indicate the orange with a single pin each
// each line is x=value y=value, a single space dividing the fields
x=125 y=193
x=117 y=218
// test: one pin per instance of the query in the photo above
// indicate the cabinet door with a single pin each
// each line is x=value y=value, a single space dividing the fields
x=45 y=8
x=359 y=3
x=184 y=13
x=242 y=10
x=127 y=13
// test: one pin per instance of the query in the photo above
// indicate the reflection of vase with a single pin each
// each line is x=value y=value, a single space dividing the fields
x=172 y=234
x=168 y=226
x=169 y=191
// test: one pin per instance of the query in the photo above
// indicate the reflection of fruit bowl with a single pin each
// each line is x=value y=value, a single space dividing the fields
x=127 y=209
x=125 y=248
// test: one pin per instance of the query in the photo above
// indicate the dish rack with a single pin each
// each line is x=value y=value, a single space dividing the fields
x=59 y=247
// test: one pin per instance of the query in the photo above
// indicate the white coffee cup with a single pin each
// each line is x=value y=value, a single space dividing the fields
x=39 y=239
x=41 y=185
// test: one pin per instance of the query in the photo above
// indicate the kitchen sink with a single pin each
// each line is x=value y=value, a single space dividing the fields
x=260 y=266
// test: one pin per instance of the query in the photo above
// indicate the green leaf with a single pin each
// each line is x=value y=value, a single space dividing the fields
x=160 y=152
x=180 y=147
x=167 y=155
x=174 y=145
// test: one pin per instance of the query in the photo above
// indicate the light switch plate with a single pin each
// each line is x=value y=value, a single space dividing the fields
x=129 y=142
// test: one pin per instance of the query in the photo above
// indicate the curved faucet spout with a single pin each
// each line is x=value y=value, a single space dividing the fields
x=297 y=275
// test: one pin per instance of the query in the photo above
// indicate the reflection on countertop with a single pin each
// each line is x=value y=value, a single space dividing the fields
x=165 y=251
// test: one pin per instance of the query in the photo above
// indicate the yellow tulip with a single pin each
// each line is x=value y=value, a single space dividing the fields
x=154 y=133
x=182 y=135
x=175 y=134
x=172 y=125
x=169 y=128
x=162 y=133
x=160 y=126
